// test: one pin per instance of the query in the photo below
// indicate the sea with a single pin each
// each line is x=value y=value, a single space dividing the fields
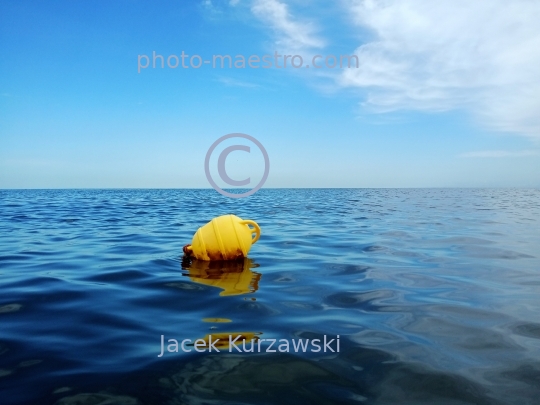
x=434 y=294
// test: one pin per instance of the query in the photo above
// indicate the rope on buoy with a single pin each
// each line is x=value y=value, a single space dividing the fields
x=187 y=250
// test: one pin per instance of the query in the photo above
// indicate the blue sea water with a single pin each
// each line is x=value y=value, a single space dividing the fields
x=435 y=294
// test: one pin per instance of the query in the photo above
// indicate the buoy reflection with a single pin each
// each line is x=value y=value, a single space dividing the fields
x=228 y=340
x=234 y=277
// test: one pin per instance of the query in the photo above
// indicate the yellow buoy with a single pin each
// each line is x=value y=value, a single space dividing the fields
x=227 y=237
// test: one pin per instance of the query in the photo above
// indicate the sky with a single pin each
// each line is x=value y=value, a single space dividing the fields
x=445 y=94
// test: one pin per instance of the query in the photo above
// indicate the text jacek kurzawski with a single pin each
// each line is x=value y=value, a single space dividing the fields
x=238 y=345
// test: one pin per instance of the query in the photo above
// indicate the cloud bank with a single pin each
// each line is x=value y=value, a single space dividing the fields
x=500 y=153
x=483 y=56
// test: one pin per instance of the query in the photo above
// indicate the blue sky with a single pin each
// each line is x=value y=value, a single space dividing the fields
x=447 y=93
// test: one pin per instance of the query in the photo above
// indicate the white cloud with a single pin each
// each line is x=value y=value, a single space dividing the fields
x=229 y=81
x=234 y=2
x=292 y=33
x=500 y=153
x=482 y=55
x=211 y=9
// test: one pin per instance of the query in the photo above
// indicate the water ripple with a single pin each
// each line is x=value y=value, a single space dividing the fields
x=434 y=294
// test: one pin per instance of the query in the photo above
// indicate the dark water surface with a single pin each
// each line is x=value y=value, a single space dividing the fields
x=435 y=295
